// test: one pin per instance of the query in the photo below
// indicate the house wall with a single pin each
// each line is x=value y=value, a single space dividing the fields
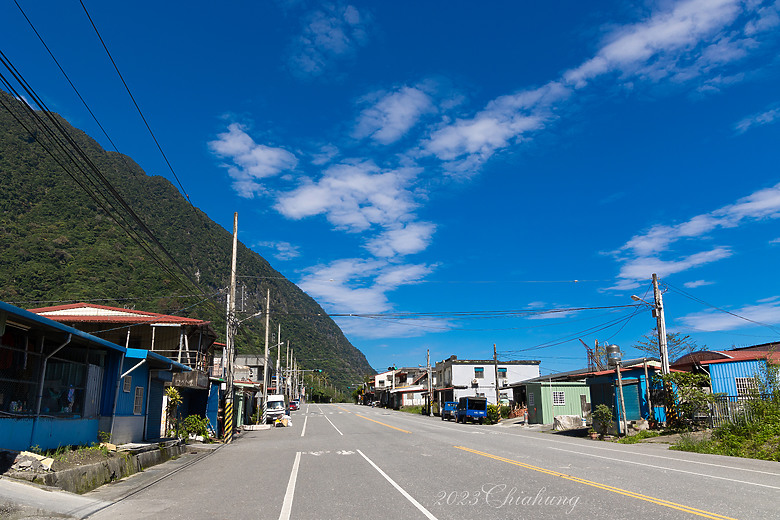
x=129 y=427
x=723 y=375
x=50 y=433
x=604 y=390
x=463 y=374
x=543 y=411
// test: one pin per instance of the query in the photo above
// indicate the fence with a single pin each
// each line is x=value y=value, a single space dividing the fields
x=729 y=408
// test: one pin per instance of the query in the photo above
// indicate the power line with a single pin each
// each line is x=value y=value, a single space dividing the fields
x=699 y=300
x=90 y=166
x=159 y=147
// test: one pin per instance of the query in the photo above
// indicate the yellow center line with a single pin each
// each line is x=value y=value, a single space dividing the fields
x=383 y=424
x=605 y=487
x=340 y=408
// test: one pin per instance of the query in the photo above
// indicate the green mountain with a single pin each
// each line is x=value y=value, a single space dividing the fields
x=58 y=243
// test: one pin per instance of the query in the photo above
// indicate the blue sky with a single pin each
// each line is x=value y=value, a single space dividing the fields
x=456 y=160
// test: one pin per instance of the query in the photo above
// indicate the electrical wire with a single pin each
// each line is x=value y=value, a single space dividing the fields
x=149 y=128
x=699 y=300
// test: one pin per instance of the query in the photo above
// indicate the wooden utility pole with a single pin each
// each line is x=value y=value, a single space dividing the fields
x=230 y=337
x=430 y=394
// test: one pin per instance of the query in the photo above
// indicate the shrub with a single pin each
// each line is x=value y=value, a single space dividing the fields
x=604 y=417
x=194 y=425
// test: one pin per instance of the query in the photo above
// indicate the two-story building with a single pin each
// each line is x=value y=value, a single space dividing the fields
x=456 y=378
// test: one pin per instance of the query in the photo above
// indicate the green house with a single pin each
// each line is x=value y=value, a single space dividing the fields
x=546 y=399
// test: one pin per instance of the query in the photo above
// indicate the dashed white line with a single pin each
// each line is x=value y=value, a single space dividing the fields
x=401 y=490
x=304 y=425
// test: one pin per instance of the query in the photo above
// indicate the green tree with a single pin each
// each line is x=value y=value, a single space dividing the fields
x=677 y=344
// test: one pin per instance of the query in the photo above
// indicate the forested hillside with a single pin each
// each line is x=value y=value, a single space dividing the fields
x=59 y=244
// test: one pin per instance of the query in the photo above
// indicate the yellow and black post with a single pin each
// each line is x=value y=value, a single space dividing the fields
x=228 y=435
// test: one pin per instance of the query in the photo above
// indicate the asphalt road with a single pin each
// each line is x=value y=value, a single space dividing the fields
x=356 y=462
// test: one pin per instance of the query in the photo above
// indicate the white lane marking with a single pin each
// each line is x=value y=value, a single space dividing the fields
x=304 y=425
x=288 y=496
x=331 y=423
x=666 y=469
x=409 y=497
x=624 y=452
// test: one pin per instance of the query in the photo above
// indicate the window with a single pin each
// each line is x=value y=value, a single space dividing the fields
x=479 y=372
x=559 y=398
x=381 y=382
x=501 y=373
x=746 y=386
x=138 y=404
x=128 y=383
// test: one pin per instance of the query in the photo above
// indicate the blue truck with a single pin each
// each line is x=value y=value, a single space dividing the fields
x=471 y=409
x=448 y=410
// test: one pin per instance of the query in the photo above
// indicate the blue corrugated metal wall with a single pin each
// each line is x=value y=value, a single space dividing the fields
x=723 y=375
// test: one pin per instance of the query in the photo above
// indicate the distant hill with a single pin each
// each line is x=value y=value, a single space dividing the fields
x=58 y=244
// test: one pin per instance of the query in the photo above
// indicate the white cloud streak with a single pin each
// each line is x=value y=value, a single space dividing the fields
x=331 y=33
x=282 y=250
x=766 y=117
x=640 y=256
x=765 y=312
x=249 y=161
x=391 y=116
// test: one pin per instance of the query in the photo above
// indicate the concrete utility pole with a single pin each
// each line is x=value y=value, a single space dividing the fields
x=278 y=356
x=230 y=337
x=265 y=355
x=498 y=392
x=430 y=394
x=658 y=312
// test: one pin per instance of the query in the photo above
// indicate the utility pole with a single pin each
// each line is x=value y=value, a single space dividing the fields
x=498 y=392
x=230 y=337
x=265 y=355
x=430 y=394
x=658 y=312
x=278 y=356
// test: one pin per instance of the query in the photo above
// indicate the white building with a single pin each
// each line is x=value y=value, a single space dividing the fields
x=456 y=378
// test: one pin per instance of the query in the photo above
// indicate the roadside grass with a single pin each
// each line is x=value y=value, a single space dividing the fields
x=748 y=439
x=412 y=409
x=644 y=434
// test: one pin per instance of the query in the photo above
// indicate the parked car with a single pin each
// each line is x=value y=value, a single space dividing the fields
x=294 y=405
x=448 y=410
x=471 y=409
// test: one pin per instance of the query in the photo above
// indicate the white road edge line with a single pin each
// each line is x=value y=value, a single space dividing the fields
x=639 y=453
x=409 y=497
x=288 y=496
x=304 y=425
x=667 y=469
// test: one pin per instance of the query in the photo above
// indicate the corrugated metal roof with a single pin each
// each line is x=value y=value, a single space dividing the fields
x=27 y=318
x=88 y=312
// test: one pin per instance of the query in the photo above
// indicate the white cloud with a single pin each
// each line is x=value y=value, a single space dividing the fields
x=766 y=117
x=640 y=256
x=282 y=250
x=467 y=143
x=765 y=312
x=655 y=47
x=331 y=33
x=775 y=241
x=402 y=240
x=697 y=283
x=249 y=161
x=391 y=116
x=324 y=155
x=358 y=286
x=353 y=196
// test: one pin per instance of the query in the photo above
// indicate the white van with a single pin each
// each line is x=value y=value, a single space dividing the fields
x=275 y=408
